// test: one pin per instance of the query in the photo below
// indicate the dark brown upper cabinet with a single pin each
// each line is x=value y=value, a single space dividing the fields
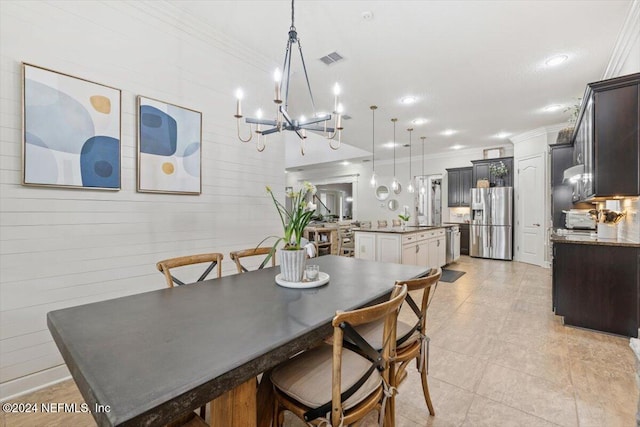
x=607 y=138
x=459 y=186
x=481 y=171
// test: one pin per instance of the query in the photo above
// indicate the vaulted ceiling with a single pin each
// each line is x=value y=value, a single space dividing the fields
x=476 y=67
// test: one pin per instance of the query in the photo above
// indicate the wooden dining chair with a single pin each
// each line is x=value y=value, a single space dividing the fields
x=346 y=242
x=382 y=223
x=236 y=256
x=396 y=223
x=412 y=341
x=334 y=384
x=166 y=265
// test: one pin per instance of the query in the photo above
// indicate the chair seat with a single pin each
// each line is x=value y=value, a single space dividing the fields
x=372 y=332
x=307 y=377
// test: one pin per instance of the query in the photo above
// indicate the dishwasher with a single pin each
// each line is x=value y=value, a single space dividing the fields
x=453 y=244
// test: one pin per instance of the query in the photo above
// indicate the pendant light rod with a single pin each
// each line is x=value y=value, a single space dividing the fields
x=394 y=147
x=423 y=138
x=373 y=136
x=410 y=187
x=373 y=181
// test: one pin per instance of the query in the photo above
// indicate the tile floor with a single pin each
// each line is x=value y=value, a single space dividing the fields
x=499 y=357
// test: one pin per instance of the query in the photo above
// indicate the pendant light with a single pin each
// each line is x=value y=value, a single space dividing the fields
x=394 y=184
x=374 y=179
x=410 y=187
x=422 y=188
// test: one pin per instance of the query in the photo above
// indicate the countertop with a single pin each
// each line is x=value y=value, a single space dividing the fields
x=399 y=230
x=584 y=239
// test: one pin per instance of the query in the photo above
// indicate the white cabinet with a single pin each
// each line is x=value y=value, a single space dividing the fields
x=388 y=248
x=365 y=246
x=425 y=248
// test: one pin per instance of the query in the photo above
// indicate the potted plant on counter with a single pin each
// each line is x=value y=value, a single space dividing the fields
x=292 y=255
x=404 y=218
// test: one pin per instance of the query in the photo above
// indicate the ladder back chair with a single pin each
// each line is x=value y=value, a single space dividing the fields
x=396 y=223
x=412 y=341
x=236 y=256
x=382 y=223
x=334 y=384
x=166 y=265
x=346 y=242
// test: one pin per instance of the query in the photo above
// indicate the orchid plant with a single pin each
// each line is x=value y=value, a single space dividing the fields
x=295 y=221
x=405 y=217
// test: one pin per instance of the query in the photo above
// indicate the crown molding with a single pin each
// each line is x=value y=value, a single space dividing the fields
x=627 y=37
x=542 y=131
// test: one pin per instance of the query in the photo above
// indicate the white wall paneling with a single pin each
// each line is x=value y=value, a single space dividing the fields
x=63 y=247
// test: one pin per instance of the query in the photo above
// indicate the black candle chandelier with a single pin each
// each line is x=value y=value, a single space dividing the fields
x=284 y=120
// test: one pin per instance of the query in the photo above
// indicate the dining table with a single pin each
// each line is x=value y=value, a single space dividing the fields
x=148 y=358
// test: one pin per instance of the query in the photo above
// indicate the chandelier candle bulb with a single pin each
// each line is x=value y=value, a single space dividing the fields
x=239 y=95
x=277 y=77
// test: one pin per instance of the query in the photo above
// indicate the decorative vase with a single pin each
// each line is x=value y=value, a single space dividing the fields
x=499 y=182
x=292 y=264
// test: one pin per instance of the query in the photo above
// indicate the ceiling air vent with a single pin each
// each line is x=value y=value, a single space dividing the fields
x=331 y=58
x=346 y=117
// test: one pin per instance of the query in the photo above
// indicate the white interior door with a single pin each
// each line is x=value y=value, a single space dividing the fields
x=531 y=203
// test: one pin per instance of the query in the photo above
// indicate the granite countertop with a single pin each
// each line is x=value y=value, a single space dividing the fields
x=588 y=240
x=399 y=230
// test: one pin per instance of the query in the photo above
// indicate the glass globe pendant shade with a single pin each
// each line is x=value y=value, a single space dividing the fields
x=394 y=184
x=410 y=187
x=373 y=182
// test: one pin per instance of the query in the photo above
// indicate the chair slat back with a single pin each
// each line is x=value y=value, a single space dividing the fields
x=388 y=311
x=236 y=256
x=165 y=266
x=427 y=284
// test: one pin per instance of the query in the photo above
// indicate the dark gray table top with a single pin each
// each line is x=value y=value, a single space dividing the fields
x=155 y=355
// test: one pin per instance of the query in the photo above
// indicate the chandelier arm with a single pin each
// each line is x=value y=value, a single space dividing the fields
x=239 y=137
x=306 y=76
x=288 y=60
x=260 y=145
x=339 y=141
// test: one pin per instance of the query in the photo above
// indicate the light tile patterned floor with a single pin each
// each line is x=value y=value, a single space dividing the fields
x=499 y=357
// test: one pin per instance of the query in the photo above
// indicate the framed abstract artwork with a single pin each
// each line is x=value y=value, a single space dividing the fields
x=71 y=131
x=169 y=148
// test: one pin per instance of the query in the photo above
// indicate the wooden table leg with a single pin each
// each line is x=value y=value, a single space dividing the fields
x=265 y=400
x=236 y=408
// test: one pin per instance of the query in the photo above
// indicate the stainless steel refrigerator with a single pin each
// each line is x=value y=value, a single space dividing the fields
x=492 y=223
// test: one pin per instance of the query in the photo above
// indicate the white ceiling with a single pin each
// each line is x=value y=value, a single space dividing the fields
x=475 y=66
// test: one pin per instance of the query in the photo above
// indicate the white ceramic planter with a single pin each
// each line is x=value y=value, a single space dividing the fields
x=292 y=264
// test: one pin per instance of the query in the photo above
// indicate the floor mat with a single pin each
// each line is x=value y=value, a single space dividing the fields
x=450 y=276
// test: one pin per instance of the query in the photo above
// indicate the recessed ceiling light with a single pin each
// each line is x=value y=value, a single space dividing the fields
x=419 y=121
x=367 y=15
x=409 y=99
x=457 y=147
x=556 y=60
x=552 y=108
x=502 y=135
x=389 y=144
x=448 y=132
x=345 y=163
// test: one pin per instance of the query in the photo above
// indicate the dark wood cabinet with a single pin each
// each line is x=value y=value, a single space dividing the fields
x=562 y=192
x=481 y=170
x=459 y=186
x=607 y=138
x=464 y=239
x=596 y=286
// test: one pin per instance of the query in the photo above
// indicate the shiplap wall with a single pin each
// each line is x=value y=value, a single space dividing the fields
x=63 y=247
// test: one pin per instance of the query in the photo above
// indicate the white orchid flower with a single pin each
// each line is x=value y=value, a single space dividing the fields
x=311 y=206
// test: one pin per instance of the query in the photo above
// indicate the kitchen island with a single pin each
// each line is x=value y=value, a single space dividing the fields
x=413 y=245
x=596 y=282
